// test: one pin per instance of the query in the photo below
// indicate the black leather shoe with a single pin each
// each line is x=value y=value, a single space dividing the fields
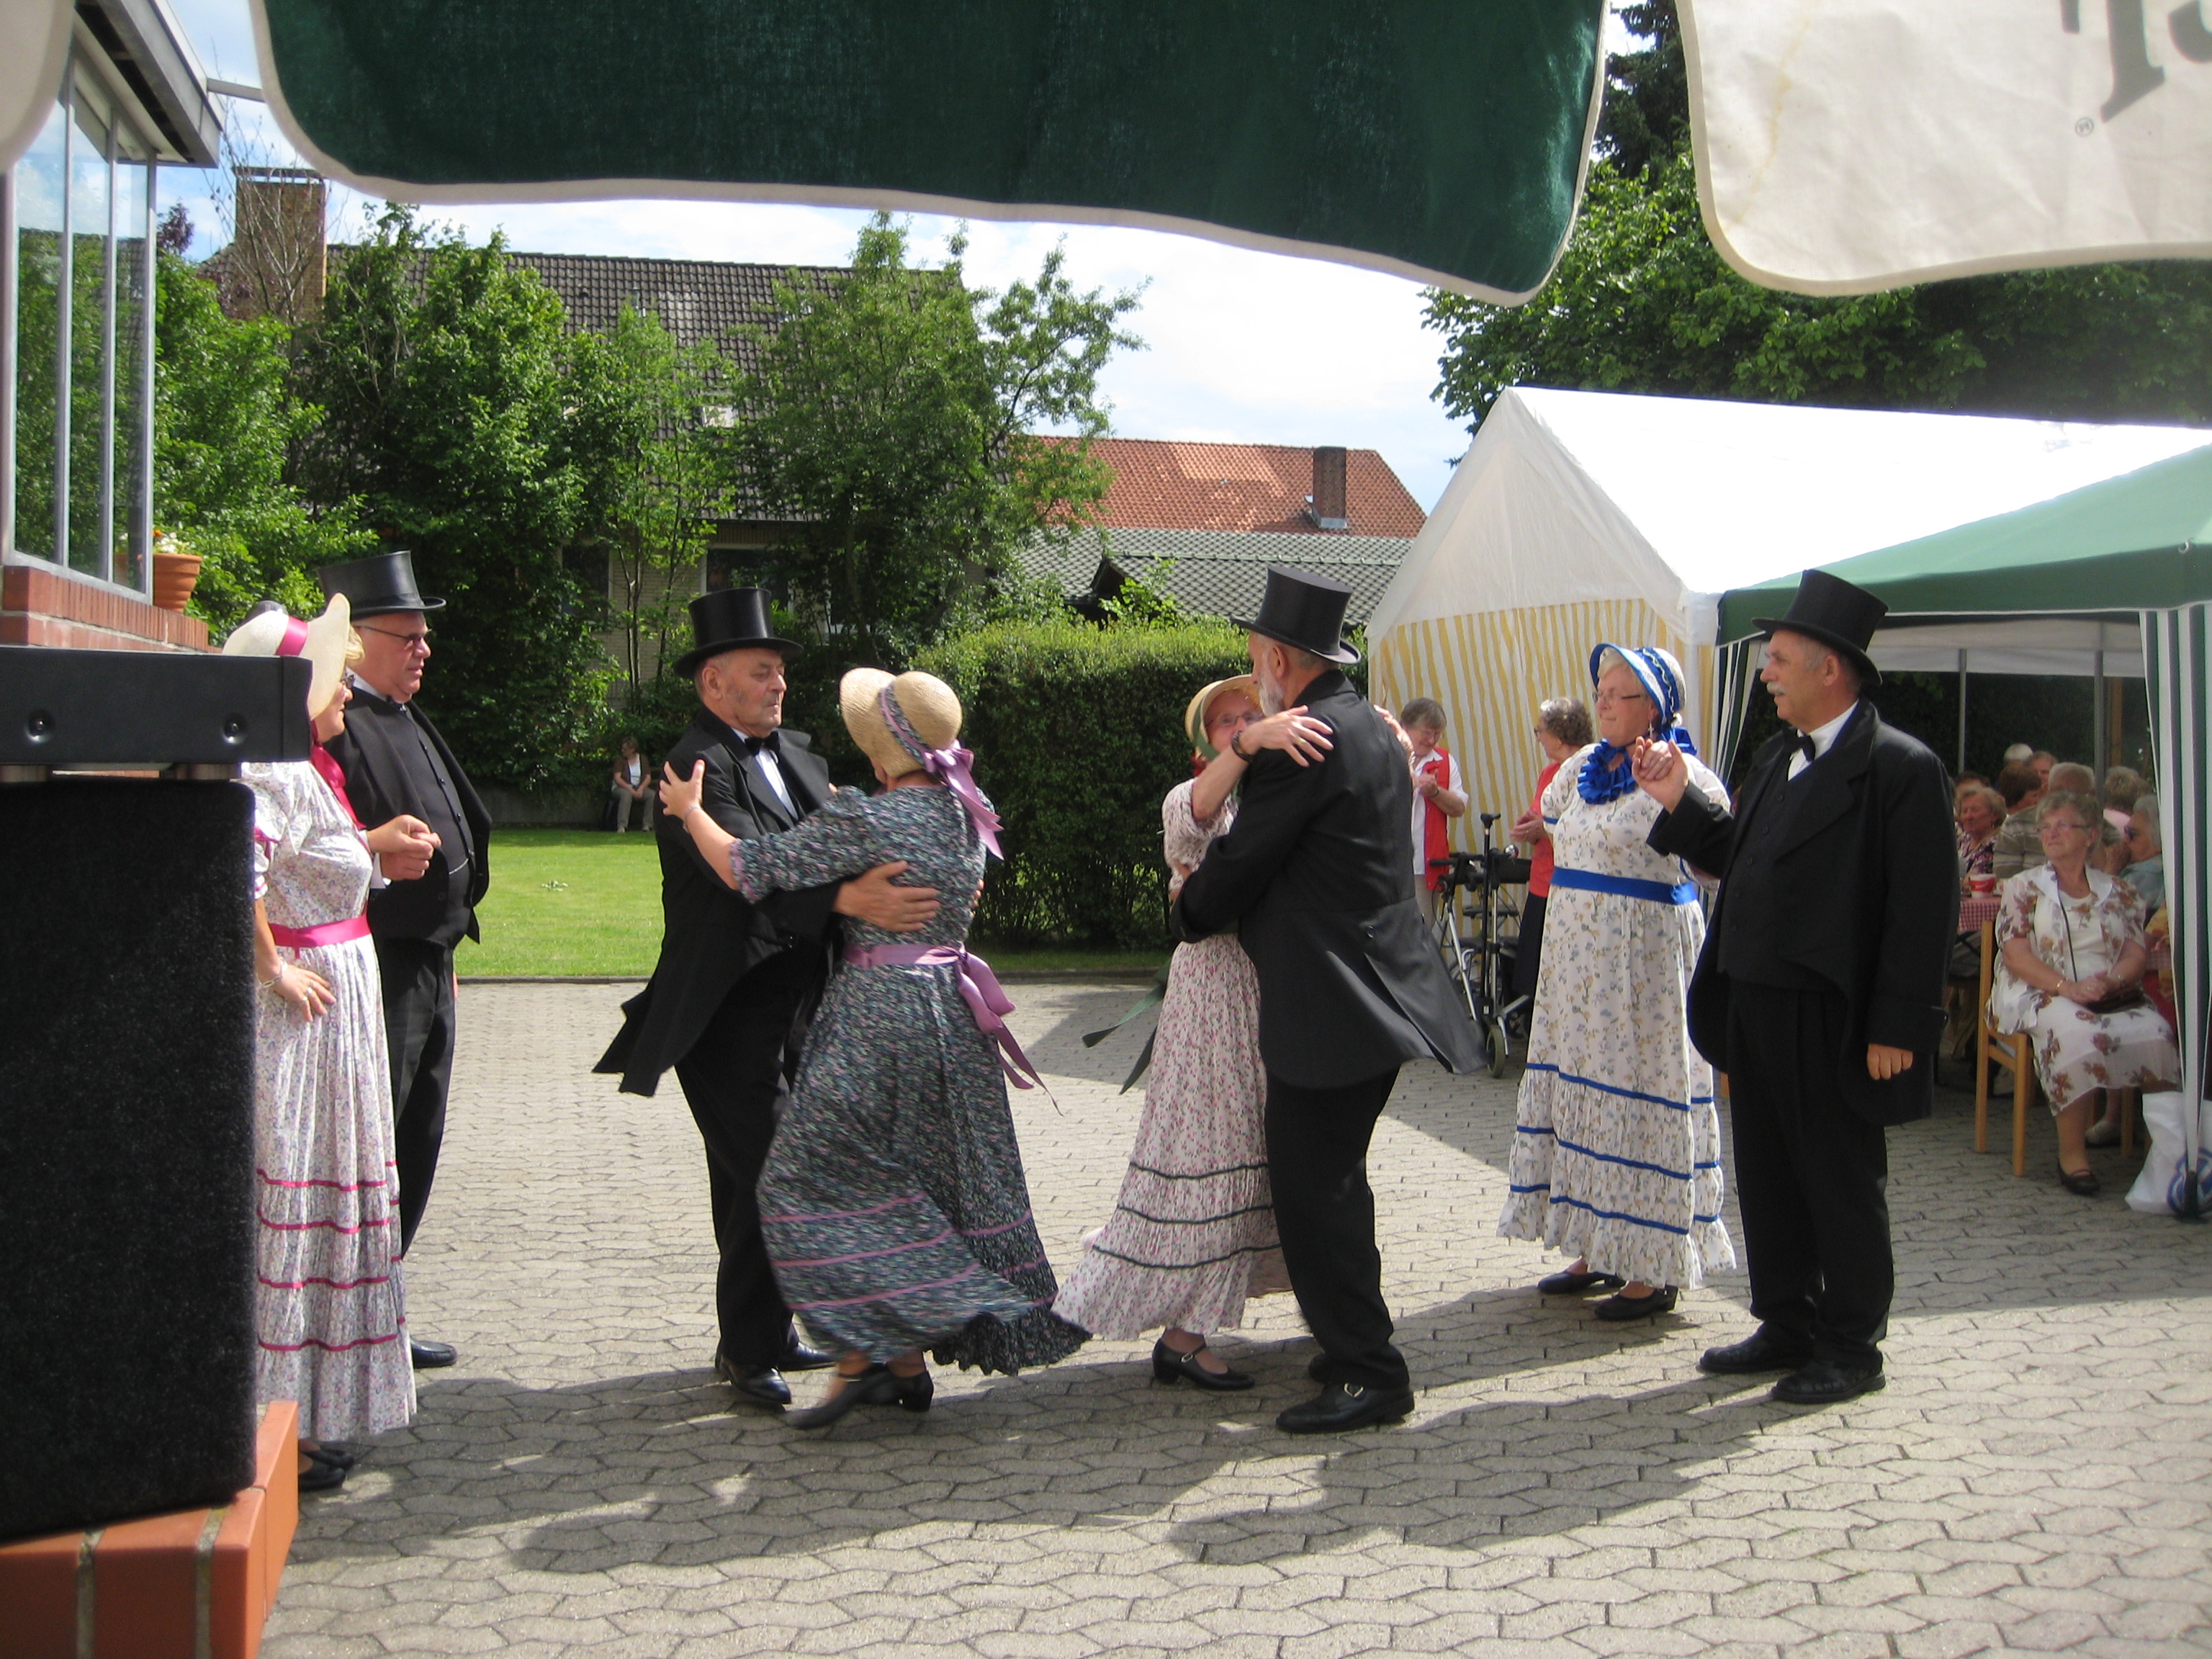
x=1317 y=1368
x=1168 y=1365
x=430 y=1356
x=1826 y=1382
x=913 y=1393
x=801 y=1358
x=1758 y=1351
x=1650 y=1305
x=321 y=1477
x=756 y=1385
x=2081 y=1183
x=330 y=1453
x=1343 y=1405
x=874 y=1386
x=1573 y=1284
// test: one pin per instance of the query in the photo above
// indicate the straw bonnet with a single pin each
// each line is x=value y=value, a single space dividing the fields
x=924 y=706
x=1194 y=718
x=273 y=631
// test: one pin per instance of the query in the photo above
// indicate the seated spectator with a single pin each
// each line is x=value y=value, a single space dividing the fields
x=633 y=788
x=2146 y=870
x=1980 y=812
x=2019 y=754
x=2109 y=853
x=2073 y=952
x=2043 y=760
x=1965 y=782
x=2016 y=848
x=2123 y=785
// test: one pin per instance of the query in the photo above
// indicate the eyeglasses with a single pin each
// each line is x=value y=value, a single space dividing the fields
x=2061 y=824
x=413 y=641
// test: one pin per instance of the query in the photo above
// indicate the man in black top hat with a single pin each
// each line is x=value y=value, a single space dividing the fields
x=737 y=982
x=396 y=761
x=1317 y=877
x=1819 y=991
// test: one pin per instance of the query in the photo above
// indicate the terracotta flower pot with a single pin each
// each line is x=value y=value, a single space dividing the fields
x=175 y=575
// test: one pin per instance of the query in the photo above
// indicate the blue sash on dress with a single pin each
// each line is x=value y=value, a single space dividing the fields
x=1658 y=892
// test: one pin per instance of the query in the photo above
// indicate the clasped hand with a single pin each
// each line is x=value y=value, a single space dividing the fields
x=402 y=848
x=1660 y=771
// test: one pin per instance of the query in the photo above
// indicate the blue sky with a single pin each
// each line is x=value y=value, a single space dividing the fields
x=1241 y=346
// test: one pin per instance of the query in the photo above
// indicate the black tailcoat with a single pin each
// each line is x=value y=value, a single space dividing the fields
x=1867 y=887
x=712 y=937
x=1317 y=876
x=385 y=777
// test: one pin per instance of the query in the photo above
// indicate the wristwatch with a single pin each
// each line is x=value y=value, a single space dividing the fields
x=1236 y=747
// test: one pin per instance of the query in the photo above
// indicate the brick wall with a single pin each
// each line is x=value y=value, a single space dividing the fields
x=40 y=605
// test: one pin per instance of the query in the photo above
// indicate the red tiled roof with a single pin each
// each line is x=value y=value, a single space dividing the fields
x=1161 y=485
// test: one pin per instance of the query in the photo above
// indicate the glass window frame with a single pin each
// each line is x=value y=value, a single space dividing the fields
x=85 y=77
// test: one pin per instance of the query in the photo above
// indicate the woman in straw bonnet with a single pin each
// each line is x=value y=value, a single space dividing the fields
x=1192 y=1233
x=893 y=1204
x=1616 y=1153
x=328 y=1310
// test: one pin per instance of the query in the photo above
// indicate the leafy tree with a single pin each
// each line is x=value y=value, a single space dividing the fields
x=1642 y=302
x=445 y=376
x=892 y=421
x=658 y=474
x=224 y=421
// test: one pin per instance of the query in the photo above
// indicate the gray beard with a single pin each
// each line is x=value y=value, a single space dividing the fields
x=1271 y=696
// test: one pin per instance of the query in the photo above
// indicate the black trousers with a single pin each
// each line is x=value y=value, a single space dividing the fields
x=1325 y=1212
x=418 y=1028
x=1528 y=954
x=735 y=1080
x=1811 y=1176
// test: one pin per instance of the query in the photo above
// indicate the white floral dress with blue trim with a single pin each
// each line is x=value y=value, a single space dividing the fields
x=1616 y=1145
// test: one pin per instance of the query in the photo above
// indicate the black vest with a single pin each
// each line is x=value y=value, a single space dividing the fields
x=1755 y=918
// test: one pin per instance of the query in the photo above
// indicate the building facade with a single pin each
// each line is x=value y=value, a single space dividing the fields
x=76 y=334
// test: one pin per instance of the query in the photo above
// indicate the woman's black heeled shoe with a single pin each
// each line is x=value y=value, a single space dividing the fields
x=1168 y=1365
x=334 y=1457
x=870 y=1387
x=2081 y=1183
x=1650 y=1305
x=913 y=1392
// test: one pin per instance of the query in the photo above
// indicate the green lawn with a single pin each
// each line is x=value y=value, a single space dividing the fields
x=586 y=902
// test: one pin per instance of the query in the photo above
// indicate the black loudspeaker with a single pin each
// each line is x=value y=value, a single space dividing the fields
x=127 y=1143
x=123 y=708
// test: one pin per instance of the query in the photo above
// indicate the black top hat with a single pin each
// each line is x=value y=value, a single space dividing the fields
x=1830 y=609
x=377 y=587
x=1306 y=611
x=730 y=619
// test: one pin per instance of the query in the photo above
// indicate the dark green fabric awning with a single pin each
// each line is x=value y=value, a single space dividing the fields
x=1438 y=139
x=2139 y=541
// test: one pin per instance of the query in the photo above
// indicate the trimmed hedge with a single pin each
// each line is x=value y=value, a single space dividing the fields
x=1077 y=734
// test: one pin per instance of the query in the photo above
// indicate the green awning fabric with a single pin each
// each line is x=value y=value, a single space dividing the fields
x=2140 y=542
x=1434 y=138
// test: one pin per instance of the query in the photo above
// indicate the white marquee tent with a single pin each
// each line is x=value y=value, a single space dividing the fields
x=1579 y=516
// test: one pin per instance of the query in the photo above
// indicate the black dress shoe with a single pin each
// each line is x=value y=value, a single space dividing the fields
x=756 y=1385
x=321 y=1477
x=1570 y=1283
x=1650 y=1305
x=874 y=1386
x=801 y=1358
x=1827 y=1382
x=430 y=1356
x=1343 y=1405
x=1317 y=1368
x=913 y=1392
x=338 y=1457
x=1168 y=1365
x=1760 y=1352
x=2083 y=1183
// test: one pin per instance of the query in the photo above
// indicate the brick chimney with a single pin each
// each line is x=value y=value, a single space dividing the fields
x=1329 y=510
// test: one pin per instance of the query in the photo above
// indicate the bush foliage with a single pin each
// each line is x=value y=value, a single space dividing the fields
x=1078 y=735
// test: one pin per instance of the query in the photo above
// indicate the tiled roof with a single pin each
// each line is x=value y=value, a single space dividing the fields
x=1165 y=485
x=1219 y=573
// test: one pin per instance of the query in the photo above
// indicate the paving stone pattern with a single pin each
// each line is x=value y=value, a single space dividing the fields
x=2034 y=1479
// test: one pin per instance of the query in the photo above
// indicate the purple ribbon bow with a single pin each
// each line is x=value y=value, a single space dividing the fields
x=979 y=988
x=954 y=766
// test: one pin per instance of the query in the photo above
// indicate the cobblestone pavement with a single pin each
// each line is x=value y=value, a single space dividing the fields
x=2034 y=1478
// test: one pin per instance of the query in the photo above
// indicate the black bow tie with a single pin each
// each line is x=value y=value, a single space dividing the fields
x=1805 y=747
x=754 y=745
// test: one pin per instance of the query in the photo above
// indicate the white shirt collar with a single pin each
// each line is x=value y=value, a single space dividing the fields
x=1824 y=737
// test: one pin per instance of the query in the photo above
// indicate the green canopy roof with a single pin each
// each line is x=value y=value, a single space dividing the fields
x=2139 y=541
x=1435 y=138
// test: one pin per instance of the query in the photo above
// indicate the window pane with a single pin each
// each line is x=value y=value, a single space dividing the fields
x=132 y=319
x=89 y=342
x=38 y=266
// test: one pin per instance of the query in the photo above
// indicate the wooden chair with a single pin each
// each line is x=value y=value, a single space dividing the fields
x=1992 y=1046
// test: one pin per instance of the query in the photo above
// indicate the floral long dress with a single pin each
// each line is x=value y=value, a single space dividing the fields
x=1192 y=1233
x=2075 y=1050
x=894 y=1204
x=329 y=1308
x=1616 y=1149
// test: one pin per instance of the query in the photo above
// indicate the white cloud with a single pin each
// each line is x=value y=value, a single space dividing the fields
x=1241 y=346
